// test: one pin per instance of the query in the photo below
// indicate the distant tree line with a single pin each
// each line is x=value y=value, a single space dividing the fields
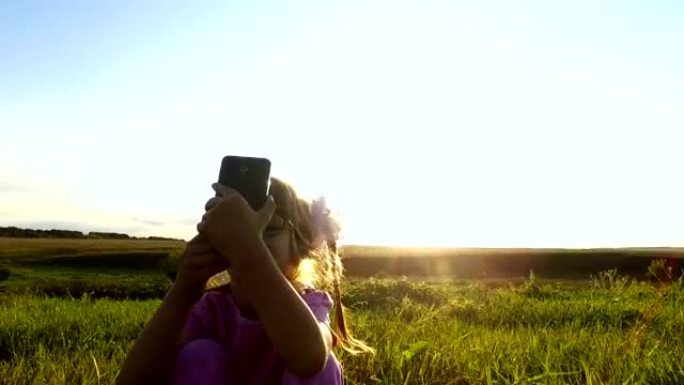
x=17 y=232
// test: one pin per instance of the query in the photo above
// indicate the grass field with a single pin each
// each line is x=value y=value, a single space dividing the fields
x=70 y=318
x=504 y=263
x=619 y=333
x=359 y=261
x=74 y=267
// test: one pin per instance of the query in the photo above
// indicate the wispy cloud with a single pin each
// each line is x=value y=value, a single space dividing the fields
x=187 y=221
x=149 y=222
x=9 y=187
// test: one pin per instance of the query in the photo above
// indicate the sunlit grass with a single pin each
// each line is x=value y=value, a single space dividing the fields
x=440 y=333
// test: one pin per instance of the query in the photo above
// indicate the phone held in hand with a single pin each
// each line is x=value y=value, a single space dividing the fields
x=249 y=176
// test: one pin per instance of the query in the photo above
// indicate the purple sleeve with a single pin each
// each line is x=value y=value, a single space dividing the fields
x=201 y=322
x=320 y=304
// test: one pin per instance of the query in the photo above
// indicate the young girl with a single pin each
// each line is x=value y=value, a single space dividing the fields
x=270 y=324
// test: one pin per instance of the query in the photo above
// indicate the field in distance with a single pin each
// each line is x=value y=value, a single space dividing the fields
x=357 y=251
x=18 y=247
x=363 y=261
x=52 y=246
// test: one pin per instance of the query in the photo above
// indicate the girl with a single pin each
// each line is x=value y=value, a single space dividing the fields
x=269 y=325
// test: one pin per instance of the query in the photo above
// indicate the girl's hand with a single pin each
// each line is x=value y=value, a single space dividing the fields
x=232 y=227
x=199 y=262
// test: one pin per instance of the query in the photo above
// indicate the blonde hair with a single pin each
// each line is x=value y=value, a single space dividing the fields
x=315 y=265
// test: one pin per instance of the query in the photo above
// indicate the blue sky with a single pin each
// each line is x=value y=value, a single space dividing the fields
x=432 y=123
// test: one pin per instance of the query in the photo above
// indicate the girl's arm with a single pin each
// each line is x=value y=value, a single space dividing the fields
x=153 y=355
x=299 y=338
x=234 y=229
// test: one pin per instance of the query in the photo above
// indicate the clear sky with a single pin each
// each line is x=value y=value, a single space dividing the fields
x=426 y=123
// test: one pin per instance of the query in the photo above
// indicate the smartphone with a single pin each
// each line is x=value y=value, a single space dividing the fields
x=250 y=176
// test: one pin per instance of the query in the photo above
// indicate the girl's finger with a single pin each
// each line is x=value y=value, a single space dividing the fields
x=211 y=203
x=198 y=246
x=223 y=190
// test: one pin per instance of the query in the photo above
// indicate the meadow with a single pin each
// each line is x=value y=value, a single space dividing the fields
x=71 y=318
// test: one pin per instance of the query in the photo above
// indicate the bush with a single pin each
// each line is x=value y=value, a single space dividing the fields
x=4 y=273
x=145 y=288
x=169 y=264
x=374 y=293
x=110 y=260
x=610 y=280
x=659 y=271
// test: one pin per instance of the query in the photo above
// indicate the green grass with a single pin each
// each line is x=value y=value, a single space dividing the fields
x=69 y=281
x=69 y=311
x=439 y=333
x=118 y=269
x=66 y=341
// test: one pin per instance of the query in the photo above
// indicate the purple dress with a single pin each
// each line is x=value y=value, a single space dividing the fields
x=226 y=348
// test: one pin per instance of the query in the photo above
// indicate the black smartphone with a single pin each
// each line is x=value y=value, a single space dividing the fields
x=250 y=176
